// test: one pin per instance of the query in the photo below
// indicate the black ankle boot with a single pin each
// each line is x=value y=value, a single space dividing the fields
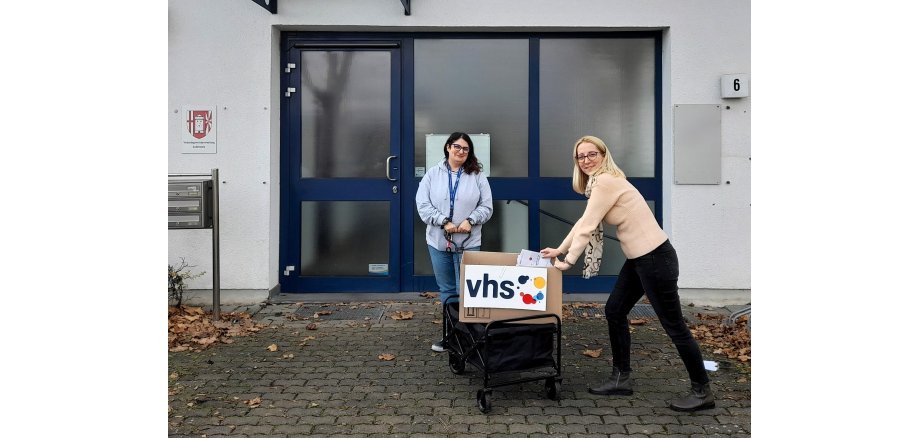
x=700 y=398
x=619 y=384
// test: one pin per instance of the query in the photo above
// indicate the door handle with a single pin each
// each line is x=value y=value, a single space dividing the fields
x=388 y=167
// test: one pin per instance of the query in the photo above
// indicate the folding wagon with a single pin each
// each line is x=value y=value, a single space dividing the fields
x=506 y=351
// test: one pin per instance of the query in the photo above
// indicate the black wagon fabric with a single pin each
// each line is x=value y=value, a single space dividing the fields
x=509 y=347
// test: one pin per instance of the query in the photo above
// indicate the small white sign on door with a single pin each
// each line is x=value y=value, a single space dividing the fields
x=378 y=268
x=505 y=287
x=198 y=129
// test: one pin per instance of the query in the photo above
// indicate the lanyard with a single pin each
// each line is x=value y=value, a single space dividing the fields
x=452 y=187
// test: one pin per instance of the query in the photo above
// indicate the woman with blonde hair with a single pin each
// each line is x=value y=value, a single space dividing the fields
x=651 y=268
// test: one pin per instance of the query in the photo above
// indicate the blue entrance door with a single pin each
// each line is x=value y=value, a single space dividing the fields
x=340 y=206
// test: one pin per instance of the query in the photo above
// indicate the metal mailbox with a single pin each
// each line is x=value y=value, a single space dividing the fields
x=195 y=203
x=190 y=204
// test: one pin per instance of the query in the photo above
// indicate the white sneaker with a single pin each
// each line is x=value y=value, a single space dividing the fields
x=438 y=346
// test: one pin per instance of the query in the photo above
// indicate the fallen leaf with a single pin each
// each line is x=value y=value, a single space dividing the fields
x=638 y=321
x=400 y=314
x=174 y=376
x=254 y=402
x=207 y=341
x=386 y=356
x=428 y=295
x=272 y=347
x=288 y=356
x=593 y=353
x=311 y=326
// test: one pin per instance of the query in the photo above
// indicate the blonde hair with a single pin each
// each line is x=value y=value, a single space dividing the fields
x=579 y=178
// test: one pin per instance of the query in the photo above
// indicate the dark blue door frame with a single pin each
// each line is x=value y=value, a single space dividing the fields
x=295 y=189
x=531 y=189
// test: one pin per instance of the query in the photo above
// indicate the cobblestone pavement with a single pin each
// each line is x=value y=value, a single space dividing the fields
x=331 y=382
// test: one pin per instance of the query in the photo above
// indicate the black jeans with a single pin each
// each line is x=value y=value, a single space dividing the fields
x=655 y=275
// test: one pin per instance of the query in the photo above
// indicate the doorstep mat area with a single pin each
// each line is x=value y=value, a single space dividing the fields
x=638 y=311
x=344 y=313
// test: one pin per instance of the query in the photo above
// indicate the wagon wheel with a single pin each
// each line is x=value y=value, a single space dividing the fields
x=553 y=388
x=484 y=401
x=456 y=363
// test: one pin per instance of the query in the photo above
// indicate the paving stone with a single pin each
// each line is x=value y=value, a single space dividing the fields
x=583 y=419
x=620 y=419
x=606 y=428
x=468 y=419
x=413 y=429
x=293 y=429
x=684 y=429
x=557 y=429
x=318 y=420
x=241 y=420
x=352 y=420
x=659 y=419
x=252 y=430
x=489 y=428
x=371 y=428
x=644 y=429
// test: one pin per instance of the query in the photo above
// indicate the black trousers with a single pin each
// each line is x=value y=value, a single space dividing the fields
x=655 y=275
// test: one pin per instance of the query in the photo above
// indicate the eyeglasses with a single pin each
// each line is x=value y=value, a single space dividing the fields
x=459 y=148
x=590 y=155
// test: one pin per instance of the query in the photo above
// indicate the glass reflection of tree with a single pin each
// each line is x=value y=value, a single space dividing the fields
x=329 y=102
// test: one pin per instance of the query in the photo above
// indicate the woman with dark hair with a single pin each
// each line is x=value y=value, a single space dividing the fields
x=454 y=200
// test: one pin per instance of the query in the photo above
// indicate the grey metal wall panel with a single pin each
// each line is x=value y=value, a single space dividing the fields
x=697 y=144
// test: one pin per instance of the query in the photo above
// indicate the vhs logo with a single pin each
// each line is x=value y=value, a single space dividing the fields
x=505 y=287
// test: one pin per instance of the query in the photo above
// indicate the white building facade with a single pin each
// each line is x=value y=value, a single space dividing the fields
x=321 y=115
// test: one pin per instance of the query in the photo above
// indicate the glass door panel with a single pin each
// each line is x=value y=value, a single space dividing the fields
x=346 y=118
x=335 y=236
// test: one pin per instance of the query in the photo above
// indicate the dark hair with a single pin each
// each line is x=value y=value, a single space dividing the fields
x=472 y=164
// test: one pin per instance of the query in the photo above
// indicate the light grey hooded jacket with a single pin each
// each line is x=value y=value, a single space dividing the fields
x=473 y=200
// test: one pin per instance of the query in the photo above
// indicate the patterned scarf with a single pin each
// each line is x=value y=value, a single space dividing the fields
x=595 y=248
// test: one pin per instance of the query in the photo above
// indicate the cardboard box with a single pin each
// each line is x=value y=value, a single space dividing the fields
x=486 y=315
